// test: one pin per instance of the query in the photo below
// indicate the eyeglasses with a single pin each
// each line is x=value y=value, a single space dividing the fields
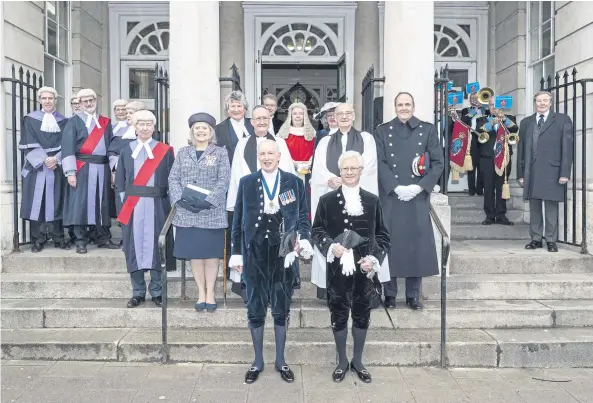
x=88 y=101
x=341 y=114
x=350 y=169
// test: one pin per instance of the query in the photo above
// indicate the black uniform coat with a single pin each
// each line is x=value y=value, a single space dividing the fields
x=226 y=136
x=551 y=160
x=487 y=148
x=413 y=250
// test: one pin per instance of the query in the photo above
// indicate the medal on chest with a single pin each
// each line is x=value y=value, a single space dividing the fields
x=272 y=195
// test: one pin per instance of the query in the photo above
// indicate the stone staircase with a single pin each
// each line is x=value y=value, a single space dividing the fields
x=507 y=307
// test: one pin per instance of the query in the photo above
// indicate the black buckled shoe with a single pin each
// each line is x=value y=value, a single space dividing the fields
x=364 y=375
x=135 y=301
x=389 y=302
x=534 y=245
x=285 y=373
x=552 y=247
x=339 y=374
x=414 y=303
x=252 y=374
x=158 y=301
x=81 y=249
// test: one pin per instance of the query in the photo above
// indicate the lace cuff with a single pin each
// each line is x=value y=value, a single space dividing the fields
x=330 y=253
x=235 y=260
x=307 y=249
x=376 y=266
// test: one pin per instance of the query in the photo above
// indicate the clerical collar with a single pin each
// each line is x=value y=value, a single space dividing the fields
x=340 y=130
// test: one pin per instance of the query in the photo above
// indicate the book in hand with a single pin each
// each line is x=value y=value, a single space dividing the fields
x=193 y=198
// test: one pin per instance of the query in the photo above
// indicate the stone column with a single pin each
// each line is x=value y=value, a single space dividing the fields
x=232 y=47
x=366 y=50
x=195 y=67
x=409 y=55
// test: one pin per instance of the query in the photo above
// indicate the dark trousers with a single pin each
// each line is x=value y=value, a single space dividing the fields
x=139 y=283
x=494 y=205
x=349 y=295
x=41 y=232
x=237 y=288
x=475 y=180
x=536 y=220
x=267 y=282
x=81 y=234
x=413 y=285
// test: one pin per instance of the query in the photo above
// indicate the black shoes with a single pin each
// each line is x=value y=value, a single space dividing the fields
x=504 y=221
x=252 y=374
x=488 y=221
x=285 y=373
x=389 y=302
x=158 y=301
x=36 y=247
x=108 y=245
x=81 y=249
x=414 y=303
x=534 y=245
x=552 y=247
x=135 y=301
x=364 y=375
x=339 y=374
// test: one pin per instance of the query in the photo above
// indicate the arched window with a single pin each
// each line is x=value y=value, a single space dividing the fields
x=300 y=39
x=451 y=41
x=148 y=39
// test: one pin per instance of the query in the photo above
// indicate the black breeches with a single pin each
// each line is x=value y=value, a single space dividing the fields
x=267 y=282
x=349 y=293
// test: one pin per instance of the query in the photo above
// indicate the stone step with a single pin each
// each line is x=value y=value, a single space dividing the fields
x=511 y=257
x=464 y=232
x=459 y=286
x=460 y=201
x=566 y=347
x=461 y=314
x=475 y=216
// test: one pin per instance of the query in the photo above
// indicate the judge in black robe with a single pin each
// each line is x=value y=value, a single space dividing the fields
x=353 y=268
x=270 y=203
x=141 y=227
x=43 y=178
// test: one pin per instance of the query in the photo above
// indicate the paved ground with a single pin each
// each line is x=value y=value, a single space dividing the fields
x=90 y=382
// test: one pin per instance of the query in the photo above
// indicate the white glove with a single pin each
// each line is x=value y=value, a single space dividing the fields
x=436 y=189
x=399 y=190
x=347 y=261
x=235 y=261
x=289 y=259
x=306 y=249
x=415 y=190
x=405 y=194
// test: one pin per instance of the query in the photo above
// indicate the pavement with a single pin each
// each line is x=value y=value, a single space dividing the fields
x=122 y=382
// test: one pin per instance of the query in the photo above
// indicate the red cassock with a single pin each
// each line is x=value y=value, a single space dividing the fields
x=300 y=149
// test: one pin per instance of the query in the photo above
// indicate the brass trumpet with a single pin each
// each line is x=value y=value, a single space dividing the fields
x=484 y=95
x=512 y=138
x=483 y=137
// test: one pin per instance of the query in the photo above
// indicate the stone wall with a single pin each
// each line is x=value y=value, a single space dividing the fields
x=232 y=48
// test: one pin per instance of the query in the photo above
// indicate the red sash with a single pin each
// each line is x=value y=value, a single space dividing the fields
x=146 y=171
x=92 y=140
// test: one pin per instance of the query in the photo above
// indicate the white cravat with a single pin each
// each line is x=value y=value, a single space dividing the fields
x=353 y=204
x=130 y=134
x=89 y=120
x=239 y=127
x=141 y=146
x=297 y=131
x=49 y=124
x=270 y=179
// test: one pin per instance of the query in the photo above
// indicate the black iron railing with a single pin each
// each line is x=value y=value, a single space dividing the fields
x=23 y=100
x=445 y=249
x=441 y=119
x=163 y=259
x=161 y=104
x=578 y=89
x=370 y=119
x=235 y=78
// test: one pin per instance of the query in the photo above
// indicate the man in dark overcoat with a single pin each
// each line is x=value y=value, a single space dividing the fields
x=544 y=161
x=270 y=203
x=405 y=197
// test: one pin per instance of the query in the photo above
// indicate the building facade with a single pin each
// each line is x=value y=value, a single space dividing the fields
x=311 y=51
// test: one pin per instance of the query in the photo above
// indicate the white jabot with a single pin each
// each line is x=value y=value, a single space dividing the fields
x=270 y=179
x=130 y=134
x=89 y=120
x=49 y=124
x=352 y=197
x=297 y=131
x=239 y=127
x=120 y=125
x=141 y=146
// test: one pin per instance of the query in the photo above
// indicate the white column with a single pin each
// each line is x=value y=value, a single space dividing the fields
x=409 y=55
x=194 y=64
x=232 y=46
x=5 y=184
x=366 y=50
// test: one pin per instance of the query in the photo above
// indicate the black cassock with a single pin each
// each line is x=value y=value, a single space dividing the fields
x=42 y=187
x=88 y=202
x=140 y=235
x=120 y=129
x=355 y=292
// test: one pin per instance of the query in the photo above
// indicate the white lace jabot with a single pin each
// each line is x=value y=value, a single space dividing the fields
x=353 y=204
x=49 y=123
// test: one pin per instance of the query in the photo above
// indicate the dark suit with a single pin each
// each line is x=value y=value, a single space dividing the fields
x=256 y=236
x=226 y=136
x=277 y=124
x=545 y=155
x=475 y=179
x=495 y=206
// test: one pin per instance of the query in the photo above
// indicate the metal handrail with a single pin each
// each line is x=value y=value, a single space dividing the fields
x=163 y=259
x=445 y=249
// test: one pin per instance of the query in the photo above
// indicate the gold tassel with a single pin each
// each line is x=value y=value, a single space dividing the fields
x=454 y=175
x=467 y=163
x=506 y=191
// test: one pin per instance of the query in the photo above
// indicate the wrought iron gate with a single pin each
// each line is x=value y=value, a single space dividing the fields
x=372 y=108
x=441 y=119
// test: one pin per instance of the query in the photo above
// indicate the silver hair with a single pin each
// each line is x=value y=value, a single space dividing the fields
x=548 y=93
x=236 y=96
x=351 y=155
x=270 y=96
x=50 y=90
x=268 y=141
x=192 y=140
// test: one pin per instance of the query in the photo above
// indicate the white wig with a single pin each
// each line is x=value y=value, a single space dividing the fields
x=86 y=93
x=135 y=105
x=143 y=116
x=348 y=155
x=43 y=90
x=308 y=127
x=119 y=102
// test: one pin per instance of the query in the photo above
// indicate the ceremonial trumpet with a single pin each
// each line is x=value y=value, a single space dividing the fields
x=483 y=137
x=484 y=95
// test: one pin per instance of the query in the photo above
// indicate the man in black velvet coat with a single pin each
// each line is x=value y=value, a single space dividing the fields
x=353 y=268
x=270 y=203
